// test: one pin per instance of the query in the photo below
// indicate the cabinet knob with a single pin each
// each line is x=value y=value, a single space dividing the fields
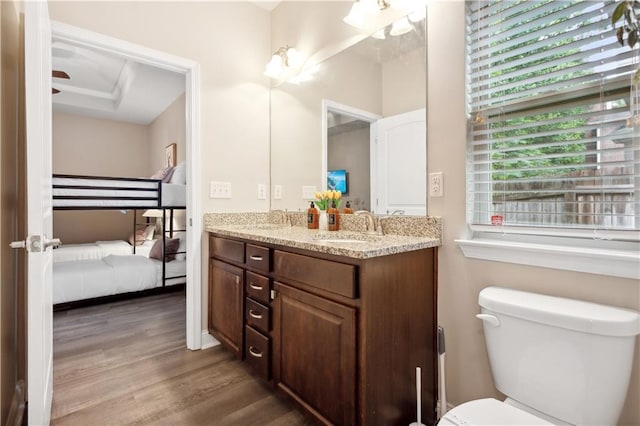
x=255 y=352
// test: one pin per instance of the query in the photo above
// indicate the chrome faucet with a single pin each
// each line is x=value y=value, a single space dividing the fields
x=371 y=222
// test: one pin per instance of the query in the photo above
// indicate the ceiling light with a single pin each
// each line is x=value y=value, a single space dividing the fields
x=401 y=26
x=284 y=58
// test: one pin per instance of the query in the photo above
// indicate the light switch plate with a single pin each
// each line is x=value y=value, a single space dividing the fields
x=219 y=189
x=309 y=192
x=277 y=192
x=262 y=191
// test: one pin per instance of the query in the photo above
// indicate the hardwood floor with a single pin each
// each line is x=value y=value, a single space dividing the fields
x=126 y=363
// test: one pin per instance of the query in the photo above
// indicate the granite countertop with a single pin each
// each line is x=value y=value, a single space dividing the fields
x=349 y=243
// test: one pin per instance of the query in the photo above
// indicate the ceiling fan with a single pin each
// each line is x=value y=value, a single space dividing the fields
x=58 y=74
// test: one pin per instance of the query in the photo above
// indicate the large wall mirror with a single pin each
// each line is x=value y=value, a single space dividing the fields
x=364 y=112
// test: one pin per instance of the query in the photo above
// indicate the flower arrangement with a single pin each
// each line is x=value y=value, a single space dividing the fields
x=324 y=199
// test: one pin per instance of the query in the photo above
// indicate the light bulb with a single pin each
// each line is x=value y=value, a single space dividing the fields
x=418 y=13
x=294 y=59
x=274 y=67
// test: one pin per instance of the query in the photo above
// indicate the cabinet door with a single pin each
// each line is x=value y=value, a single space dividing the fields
x=226 y=311
x=314 y=353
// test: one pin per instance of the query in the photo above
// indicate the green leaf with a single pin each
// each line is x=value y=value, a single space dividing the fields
x=632 y=38
x=636 y=76
x=618 y=12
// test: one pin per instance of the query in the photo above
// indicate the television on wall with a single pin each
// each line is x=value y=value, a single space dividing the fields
x=337 y=180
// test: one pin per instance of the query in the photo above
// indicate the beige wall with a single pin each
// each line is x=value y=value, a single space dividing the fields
x=408 y=93
x=169 y=127
x=97 y=147
x=461 y=279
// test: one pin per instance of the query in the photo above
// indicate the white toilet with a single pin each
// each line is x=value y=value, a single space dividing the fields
x=559 y=361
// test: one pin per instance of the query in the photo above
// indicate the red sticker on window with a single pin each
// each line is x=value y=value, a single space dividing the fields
x=496 y=219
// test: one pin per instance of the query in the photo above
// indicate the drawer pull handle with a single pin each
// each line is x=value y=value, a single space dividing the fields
x=255 y=287
x=254 y=352
x=254 y=314
x=255 y=257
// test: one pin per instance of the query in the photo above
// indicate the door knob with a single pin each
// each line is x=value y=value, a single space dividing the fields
x=33 y=243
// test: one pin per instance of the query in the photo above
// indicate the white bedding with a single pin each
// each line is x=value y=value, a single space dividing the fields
x=90 y=278
x=97 y=250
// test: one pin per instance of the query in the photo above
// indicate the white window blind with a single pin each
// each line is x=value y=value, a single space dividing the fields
x=551 y=142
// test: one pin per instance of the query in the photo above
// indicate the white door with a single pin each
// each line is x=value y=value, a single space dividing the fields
x=401 y=164
x=37 y=33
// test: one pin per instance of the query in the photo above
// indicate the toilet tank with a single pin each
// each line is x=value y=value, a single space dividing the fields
x=566 y=358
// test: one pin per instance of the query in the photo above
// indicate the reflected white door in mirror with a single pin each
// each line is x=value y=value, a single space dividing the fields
x=384 y=158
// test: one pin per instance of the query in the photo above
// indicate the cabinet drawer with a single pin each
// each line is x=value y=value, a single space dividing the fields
x=226 y=249
x=335 y=277
x=258 y=287
x=257 y=257
x=257 y=352
x=257 y=315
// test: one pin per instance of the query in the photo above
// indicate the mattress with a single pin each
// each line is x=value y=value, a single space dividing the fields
x=113 y=274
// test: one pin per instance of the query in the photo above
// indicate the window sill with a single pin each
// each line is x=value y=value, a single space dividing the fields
x=594 y=260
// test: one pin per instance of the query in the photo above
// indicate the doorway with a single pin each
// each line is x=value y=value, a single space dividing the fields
x=191 y=72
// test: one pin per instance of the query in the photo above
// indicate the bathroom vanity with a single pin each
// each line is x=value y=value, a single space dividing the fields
x=337 y=324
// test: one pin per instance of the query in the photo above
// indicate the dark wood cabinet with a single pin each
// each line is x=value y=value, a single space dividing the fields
x=314 y=353
x=226 y=297
x=340 y=336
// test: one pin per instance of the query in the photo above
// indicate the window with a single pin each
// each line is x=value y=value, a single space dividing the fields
x=553 y=149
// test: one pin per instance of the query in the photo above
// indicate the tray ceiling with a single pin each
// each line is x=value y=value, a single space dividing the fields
x=104 y=85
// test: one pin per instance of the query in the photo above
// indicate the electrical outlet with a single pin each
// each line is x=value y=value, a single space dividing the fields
x=262 y=191
x=436 y=184
x=309 y=192
x=277 y=192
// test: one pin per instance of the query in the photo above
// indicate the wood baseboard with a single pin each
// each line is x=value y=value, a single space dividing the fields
x=17 y=407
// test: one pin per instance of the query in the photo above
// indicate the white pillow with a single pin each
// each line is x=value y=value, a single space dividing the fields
x=179 y=174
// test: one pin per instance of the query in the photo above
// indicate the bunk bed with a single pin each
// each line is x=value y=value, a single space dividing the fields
x=101 y=270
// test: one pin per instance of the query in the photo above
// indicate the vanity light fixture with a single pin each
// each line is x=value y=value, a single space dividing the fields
x=285 y=57
x=362 y=11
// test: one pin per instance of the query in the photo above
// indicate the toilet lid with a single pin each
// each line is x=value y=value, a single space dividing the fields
x=489 y=411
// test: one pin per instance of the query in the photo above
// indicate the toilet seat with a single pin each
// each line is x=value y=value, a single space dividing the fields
x=489 y=411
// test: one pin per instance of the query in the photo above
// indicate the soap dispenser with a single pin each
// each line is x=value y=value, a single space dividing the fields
x=333 y=217
x=347 y=208
x=312 y=217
